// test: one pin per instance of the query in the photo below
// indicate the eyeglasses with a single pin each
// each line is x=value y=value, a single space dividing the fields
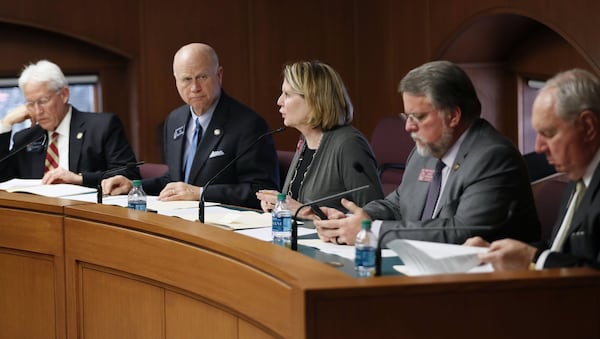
x=416 y=118
x=41 y=102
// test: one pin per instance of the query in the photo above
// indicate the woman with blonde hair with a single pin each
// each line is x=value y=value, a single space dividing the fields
x=331 y=155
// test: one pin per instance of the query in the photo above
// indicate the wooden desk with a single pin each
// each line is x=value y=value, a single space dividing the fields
x=93 y=271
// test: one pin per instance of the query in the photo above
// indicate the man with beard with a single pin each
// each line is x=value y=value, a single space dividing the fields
x=463 y=174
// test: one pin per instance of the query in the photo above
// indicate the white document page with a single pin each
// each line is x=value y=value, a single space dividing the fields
x=264 y=233
x=34 y=186
x=424 y=257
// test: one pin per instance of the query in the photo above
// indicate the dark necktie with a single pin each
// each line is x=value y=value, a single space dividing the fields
x=192 y=149
x=434 y=191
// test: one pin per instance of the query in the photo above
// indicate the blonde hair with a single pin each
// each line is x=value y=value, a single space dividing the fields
x=324 y=92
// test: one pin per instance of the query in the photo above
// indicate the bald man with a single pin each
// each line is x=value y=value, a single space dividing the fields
x=206 y=133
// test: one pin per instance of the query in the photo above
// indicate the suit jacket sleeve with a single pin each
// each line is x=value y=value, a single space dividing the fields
x=106 y=149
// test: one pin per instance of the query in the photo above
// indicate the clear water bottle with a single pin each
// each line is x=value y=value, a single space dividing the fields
x=136 y=199
x=282 y=222
x=366 y=245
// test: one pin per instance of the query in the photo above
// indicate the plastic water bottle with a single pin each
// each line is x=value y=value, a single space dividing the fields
x=366 y=245
x=282 y=222
x=136 y=199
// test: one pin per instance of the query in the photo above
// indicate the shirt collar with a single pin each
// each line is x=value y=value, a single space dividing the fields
x=206 y=117
x=64 y=126
x=450 y=156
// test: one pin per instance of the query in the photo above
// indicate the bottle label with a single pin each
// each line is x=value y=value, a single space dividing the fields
x=365 y=257
x=282 y=224
x=137 y=205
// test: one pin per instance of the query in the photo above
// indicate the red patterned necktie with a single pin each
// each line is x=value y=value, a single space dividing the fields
x=52 y=154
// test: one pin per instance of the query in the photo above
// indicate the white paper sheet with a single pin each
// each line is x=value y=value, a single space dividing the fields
x=424 y=257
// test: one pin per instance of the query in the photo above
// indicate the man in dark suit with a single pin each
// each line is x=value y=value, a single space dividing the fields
x=566 y=117
x=480 y=178
x=83 y=145
x=203 y=136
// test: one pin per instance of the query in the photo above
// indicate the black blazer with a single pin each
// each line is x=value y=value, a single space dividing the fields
x=232 y=129
x=582 y=246
x=97 y=143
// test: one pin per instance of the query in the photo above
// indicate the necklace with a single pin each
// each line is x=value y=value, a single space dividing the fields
x=305 y=161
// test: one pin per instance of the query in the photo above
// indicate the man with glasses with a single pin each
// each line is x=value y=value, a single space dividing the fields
x=463 y=174
x=63 y=145
x=566 y=118
x=203 y=136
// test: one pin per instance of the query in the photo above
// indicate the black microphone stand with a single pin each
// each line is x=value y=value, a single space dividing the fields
x=294 y=240
x=20 y=148
x=210 y=181
x=113 y=171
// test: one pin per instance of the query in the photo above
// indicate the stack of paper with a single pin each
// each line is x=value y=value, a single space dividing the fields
x=424 y=257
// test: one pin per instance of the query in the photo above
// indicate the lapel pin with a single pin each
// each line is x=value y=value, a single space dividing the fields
x=217 y=132
x=456 y=167
x=178 y=132
x=79 y=135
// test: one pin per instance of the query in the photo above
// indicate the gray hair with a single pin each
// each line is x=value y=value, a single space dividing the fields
x=576 y=90
x=446 y=85
x=43 y=71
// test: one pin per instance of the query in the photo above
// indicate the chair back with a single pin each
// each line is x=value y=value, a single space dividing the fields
x=153 y=170
x=391 y=145
x=285 y=160
x=547 y=194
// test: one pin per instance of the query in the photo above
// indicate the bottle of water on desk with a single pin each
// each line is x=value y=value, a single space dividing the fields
x=136 y=199
x=366 y=245
x=282 y=222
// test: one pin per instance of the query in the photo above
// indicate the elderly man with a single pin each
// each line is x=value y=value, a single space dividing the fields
x=463 y=175
x=64 y=145
x=204 y=135
x=566 y=117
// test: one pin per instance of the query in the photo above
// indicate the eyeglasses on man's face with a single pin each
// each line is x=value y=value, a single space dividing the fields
x=416 y=118
x=41 y=102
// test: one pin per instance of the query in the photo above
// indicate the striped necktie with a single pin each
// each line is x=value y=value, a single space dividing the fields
x=52 y=153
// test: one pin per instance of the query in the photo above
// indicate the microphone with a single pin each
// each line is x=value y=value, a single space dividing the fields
x=210 y=181
x=294 y=240
x=509 y=214
x=14 y=151
x=127 y=166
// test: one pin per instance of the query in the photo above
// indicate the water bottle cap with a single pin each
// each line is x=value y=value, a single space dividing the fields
x=365 y=224
x=137 y=183
x=281 y=197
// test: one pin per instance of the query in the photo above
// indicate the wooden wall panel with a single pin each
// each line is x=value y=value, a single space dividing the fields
x=286 y=31
x=28 y=283
x=31 y=275
x=206 y=275
x=372 y=44
x=113 y=306
x=187 y=318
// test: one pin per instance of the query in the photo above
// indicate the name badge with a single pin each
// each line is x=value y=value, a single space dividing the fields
x=178 y=132
x=426 y=174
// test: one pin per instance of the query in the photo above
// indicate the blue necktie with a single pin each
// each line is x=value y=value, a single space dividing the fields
x=189 y=159
x=434 y=191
